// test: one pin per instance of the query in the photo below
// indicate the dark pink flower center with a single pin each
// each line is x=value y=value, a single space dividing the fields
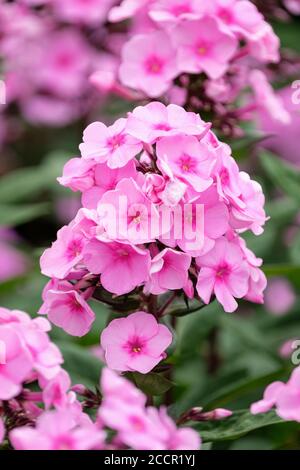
x=74 y=249
x=225 y=15
x=187 y=164
x=137 y=423
x=64 y=60
x=154 y=65
x=223 y=271
x=163 y=126
x=135 y=346
x=74 y=305
x=116 y=141
x=202 y=48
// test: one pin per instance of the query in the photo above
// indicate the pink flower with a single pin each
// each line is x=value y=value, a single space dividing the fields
x=280 y=296
x=67 y=309
x=171 y=437
x=67 y=64
x=58 y=430
x=135 y=343
x=18 y=363
x=78 y=174
x=55 y=392
x=249 y=213
x=90 y=12
x=155 y=120
x=223 y=272
x=293 y=6
x=188 y=159
x=106 y=179
x=64 y=254
x=109 y=144
x=149 y=63
x=281 y=136
x=122 y=267
x=169 y=270
x=285 y=398
x=203 y=46
x=267 y=99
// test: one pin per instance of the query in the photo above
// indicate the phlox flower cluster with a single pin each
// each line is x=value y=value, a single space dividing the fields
x=163 y=208
x=199 y=54
x=55 y=417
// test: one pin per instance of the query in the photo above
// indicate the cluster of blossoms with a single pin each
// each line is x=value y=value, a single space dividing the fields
x=164 y=203
x=54 y=418
x=47 y=56
x=198 y=54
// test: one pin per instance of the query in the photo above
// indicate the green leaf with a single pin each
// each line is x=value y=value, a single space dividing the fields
x=152 y=383
x=13 y=215
x=25 y=183
x=283 y=175
x=295 y=250
x=194 y=328
x=240 y=423
x=82 y=366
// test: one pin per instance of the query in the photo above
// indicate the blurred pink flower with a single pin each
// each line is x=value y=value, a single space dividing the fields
x=203 y=46
x=149 y=63
x=279 y=296
x=58 y=430
x=285 y=397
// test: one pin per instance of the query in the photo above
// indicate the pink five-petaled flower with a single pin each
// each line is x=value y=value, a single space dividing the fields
x=64 y=254
x=17 y=363
x=284 y=396
x=58 y=430
x=224 y=272
x=169 y=270
x=111 y=144
x=204 y=47
x=66 y=308
x=149 y=63
x=122 y=267
x=188 y=159
x=155 y=120
x=135 y=343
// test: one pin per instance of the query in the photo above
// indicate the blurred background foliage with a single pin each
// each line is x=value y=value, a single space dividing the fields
x=221 y=360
